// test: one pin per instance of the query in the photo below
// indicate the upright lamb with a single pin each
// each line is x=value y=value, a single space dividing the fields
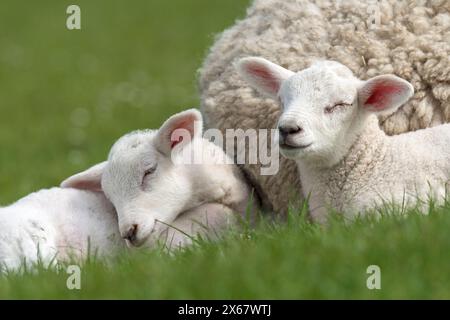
x=158 y=196
x=409 y=38
x=329 y=126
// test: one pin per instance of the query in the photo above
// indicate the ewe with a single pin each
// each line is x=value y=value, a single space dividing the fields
x=329 y=126
x=157 y=178
x=410 y=38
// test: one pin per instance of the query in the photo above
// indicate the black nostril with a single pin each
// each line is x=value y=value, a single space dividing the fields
x=287 y=130
x=131 y=234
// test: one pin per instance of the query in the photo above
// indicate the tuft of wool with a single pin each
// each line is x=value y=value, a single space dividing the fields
x=409 y=38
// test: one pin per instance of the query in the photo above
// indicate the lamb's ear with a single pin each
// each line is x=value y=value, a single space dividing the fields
x=181 y=127
x=384 y=94
x=263 y=75
x=91 y=179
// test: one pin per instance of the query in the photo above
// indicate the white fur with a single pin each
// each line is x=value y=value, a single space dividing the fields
x=346 y=162
x=172 y=192
x=57 y=225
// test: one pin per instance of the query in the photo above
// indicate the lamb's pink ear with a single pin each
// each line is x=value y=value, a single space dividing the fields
x=384 y=94
x=181 y=127
x=263 y=75
x=91 y=179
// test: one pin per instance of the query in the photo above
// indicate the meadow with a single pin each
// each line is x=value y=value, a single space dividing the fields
x=67 y=95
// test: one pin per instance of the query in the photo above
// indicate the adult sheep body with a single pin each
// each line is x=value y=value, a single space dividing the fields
x=409 y=38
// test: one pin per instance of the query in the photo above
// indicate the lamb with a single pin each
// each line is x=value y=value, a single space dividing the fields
x=409 y=38
x=56 y=225
x=161 y=181
x=329 y=127
x=159 y=197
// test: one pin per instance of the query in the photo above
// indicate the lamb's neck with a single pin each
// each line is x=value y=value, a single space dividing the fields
x=221 y=183
x=371 y=143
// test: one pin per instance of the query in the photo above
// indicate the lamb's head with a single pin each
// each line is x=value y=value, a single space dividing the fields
x=324 y=107
x=141 y=179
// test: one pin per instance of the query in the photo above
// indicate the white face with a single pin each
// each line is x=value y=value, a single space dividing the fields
x=323 y=106
x=140 y=179
x=144 y=185
x=319 y=107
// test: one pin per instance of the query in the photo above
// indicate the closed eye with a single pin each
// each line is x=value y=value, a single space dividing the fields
x=148 y=172
x=335 y=107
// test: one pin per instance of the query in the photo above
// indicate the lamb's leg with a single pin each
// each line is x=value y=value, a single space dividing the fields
x=209 y=221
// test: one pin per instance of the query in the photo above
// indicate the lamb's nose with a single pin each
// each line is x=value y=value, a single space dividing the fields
x=288 y=129
x=131 y=233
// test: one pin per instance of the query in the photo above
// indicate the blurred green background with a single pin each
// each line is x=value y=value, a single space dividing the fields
x=67 y=95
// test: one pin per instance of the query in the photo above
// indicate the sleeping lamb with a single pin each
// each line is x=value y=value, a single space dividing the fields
x=159 y=197
x=156 y=177
x=329 y=126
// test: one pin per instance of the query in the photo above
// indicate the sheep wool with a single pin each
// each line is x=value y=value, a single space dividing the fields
x=408 y=38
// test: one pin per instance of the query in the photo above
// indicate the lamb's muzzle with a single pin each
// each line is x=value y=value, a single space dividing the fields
x=130 y=235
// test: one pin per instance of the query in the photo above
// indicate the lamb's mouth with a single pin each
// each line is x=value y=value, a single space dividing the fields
x=139 y=242
x=294 y=147
x=136 y=243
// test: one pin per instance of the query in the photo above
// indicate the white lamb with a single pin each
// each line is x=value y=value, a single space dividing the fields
x=159 y=198
x=408 y=38
x=169 y=176
x=56 y=225
x=329 y=126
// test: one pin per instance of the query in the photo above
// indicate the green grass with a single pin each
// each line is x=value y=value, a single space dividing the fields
x=66 y=96
x=295 y=260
